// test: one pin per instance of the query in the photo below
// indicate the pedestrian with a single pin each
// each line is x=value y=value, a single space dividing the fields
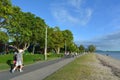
x=19 y=61
x=15 y=58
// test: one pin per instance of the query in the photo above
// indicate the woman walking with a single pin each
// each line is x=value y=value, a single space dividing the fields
x=19 y=61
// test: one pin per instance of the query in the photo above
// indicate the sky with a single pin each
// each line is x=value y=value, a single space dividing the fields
x=94 y=22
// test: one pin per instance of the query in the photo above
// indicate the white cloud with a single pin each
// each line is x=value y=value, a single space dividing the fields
x=86 y=16
x=89 y=12
x=63 y=15
x=107 y=42
x=75 y=3
x=71 y=12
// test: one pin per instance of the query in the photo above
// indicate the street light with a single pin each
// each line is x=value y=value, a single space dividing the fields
x=45 y=52
x=65 y=47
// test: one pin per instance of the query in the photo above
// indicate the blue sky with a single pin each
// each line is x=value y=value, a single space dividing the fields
x=91 y=21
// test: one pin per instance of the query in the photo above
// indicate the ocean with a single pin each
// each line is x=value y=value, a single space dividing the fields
x=113 y=54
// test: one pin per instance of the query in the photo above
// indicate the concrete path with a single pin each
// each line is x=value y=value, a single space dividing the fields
x=38 y=71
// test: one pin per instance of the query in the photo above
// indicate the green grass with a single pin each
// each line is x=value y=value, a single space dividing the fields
x=54 y=56
x=7 y=60
x=4 y=66
x=28 y=58
x=76 y=70
x=4 y=58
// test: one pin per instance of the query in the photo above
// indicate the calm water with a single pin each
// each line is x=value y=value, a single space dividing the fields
x=114 y=54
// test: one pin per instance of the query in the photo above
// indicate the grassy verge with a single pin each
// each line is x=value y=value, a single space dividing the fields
x=76 y=70
x=51 y=56
x=7 y=60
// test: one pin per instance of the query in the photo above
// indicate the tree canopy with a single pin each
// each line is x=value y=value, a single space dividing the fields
x=91 y=48
x=3 y=37
x=5 y=12
x=25 y=29
x=81 y=48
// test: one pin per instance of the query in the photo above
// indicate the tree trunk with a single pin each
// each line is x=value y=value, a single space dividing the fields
x=55 y=50
x=58 y=50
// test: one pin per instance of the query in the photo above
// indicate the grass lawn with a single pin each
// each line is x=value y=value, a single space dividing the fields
x=7 y=60
x=76 y=70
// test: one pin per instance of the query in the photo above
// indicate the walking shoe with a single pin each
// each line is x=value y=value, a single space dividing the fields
x=12 y=71
x=21 y=70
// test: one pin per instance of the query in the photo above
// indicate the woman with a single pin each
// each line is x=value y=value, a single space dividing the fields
x=19 y=60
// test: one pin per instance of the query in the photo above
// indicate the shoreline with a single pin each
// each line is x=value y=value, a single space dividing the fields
x=113 y=55
x=111 y=63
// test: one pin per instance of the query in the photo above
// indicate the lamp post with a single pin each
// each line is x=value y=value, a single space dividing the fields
x=65 y=47
x=45 y=52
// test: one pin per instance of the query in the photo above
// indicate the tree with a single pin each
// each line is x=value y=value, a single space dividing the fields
x=81 y=48
x=73 y=47
x=5 y=12
x=19 y=29
x=56 y=39
x=68 y=39
x=3 y=37
x=25 y=28
x=38 y=32
x=91 y=48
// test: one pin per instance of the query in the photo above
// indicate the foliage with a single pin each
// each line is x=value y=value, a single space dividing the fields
x=38 y=30
x=19 y=28
x=68 y=40
x=53 y=55
x=81 y=48
x=91 y=48
x=72 y=48
x=5 y=12
x=55 y=39
x=68 y=36
x=3 y=37
x=24 y=29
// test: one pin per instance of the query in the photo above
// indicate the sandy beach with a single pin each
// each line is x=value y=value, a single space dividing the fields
x=111 y=63
x=106 y=68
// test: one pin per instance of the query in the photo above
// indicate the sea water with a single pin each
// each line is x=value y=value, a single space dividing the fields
x=114 y=54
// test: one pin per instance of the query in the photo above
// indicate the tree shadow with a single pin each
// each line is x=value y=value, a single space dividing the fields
x=11 y=65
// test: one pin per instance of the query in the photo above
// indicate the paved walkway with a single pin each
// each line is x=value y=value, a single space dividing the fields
x=38 y=71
